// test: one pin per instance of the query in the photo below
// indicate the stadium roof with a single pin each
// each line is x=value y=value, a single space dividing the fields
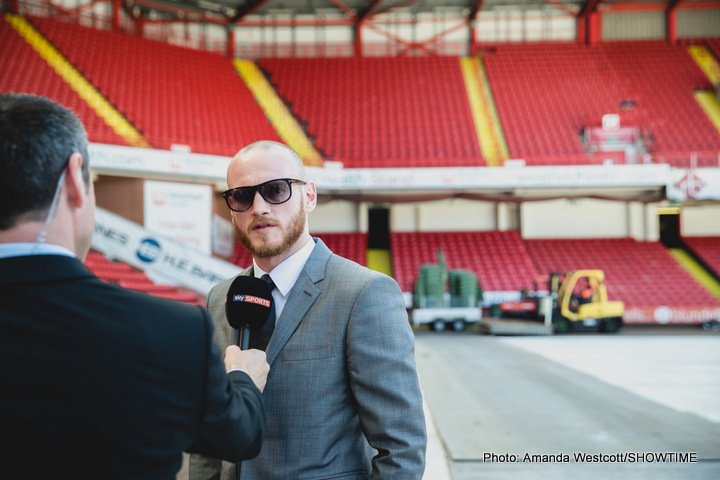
x=233 y=11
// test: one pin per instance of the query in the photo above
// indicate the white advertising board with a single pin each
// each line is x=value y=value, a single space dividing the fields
x=694 y=184
x=115 y=160
x=180 y=211
x=156 y=254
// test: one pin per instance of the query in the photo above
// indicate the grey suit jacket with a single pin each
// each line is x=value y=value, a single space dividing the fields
x=342 y=398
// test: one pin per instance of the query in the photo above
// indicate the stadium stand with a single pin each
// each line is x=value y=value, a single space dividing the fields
x=23 y=70
x=498 y=258
x=665 y=78
x=352 y=246
x=714 y=45
x=126 y=276
x=641 y=274
x=708 y=249
x=543 y=116
x=381 y=112
x=173 y=95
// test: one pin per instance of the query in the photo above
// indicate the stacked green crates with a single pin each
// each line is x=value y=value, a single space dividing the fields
x=430 y=286
x=464 y=288
x=431 y=283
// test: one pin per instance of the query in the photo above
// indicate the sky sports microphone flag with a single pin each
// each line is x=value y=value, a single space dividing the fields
x=247 y=306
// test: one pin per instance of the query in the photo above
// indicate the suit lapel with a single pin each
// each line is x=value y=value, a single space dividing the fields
x=302 y=296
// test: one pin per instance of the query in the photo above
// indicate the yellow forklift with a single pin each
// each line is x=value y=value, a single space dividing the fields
x=575 y=301
x=581 y=303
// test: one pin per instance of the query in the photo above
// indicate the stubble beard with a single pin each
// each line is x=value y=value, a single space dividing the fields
x=294 y=230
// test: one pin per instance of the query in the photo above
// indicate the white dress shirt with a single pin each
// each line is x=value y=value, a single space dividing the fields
x=285 y=275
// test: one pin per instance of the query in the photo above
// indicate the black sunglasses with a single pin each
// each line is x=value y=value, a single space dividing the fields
x=276 y=191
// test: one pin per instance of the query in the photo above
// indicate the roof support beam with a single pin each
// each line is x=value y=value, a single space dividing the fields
x=671 y=21
x=589 y=22
x=349 y=12
x=562 y=6
x=475 y=7
x=369 y=11
x=404 y=4
x=246 y=10
x=589 y=7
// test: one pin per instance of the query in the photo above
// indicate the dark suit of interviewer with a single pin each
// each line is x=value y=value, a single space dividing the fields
x=98 y=382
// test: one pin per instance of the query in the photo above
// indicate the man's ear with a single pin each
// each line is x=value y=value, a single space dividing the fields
x=310 y=197
x=74 y=181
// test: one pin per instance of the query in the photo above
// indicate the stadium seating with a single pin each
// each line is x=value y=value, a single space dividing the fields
x=173 y=95
x=352 y=246
x=641 y=274
x=547 y=93
x=499 y=259
x=708 y=249
x=714 y=45
x=126 y=276
x=381 y=112
x=23 y=70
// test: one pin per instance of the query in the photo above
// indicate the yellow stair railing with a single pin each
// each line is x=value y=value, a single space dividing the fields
x=77 y=82
x=276 y=111
x=487 y=126
x=709 y=103
x=708 y=100
x=696 y=270
x=706 y=61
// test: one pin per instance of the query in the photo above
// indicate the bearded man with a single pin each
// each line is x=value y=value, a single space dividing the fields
x=342 y=397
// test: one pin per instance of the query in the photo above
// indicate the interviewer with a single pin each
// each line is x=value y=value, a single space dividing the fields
x=97 y=381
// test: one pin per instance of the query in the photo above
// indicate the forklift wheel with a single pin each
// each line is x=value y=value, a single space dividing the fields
x=561 y=325
x=611 y=325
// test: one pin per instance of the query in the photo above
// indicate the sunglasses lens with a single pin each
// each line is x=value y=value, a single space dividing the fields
x=241 y=198
x=277 y=191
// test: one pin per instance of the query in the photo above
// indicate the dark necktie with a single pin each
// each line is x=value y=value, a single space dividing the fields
x=260 y=338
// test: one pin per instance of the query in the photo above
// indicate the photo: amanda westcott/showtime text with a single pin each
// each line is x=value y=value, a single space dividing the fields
x=584 y=457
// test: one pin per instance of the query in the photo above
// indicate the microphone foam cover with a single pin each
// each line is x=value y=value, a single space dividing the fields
x=248 y=302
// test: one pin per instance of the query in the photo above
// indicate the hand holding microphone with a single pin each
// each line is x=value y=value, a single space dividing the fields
x=247 y=306
x=252 y=362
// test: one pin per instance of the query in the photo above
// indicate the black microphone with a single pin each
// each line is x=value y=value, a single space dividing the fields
x=247 y=306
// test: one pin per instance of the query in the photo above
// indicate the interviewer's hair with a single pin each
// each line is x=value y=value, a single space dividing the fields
x=37 y=138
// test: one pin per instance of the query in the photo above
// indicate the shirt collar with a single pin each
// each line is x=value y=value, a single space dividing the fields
x=8 y=250
x=286 y=273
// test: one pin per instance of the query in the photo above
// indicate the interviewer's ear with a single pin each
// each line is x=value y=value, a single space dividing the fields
x=74 y=181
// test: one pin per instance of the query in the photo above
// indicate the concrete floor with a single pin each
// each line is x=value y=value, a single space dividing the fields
x=643 y=391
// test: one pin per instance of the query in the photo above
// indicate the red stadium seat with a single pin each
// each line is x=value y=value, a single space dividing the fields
x=173 y=95
x=707 y=248
x=547 y=93
x=126 y=276
x=23 y=70
x=641 y=274
x=381 y=112
x=499 y=259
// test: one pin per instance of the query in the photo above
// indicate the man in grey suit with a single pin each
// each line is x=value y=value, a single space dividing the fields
x=342 y=397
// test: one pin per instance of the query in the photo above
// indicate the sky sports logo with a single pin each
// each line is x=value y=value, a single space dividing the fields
x=251 y=299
